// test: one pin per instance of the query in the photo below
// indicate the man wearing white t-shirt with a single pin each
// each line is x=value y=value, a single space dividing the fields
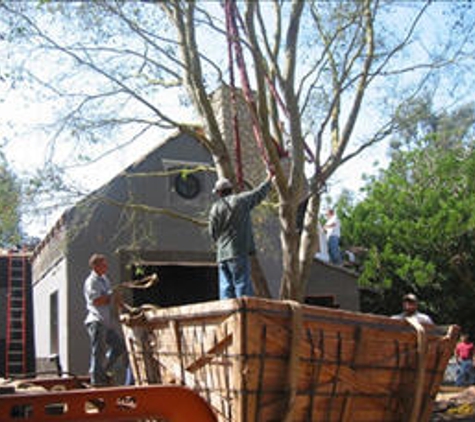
x=332 y=229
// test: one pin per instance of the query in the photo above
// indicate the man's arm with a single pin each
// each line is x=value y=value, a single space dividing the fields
x=102 y=300
x=212 y=223
x=332 y=222
x=256 y=196
x=95 y=293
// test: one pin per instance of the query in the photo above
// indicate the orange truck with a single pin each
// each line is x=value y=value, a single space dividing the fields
x=153 y=402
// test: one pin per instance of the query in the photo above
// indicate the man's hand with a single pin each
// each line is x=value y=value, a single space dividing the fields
x=270 y=173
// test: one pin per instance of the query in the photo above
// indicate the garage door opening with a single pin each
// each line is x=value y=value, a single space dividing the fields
x=328 y=301
x=177 y=285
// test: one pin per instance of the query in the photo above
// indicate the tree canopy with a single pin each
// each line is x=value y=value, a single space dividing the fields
x=313 y=68
x=418 y=228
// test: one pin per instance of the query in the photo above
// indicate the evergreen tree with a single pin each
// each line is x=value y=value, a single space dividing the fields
x=418 y=227
x=9 y=206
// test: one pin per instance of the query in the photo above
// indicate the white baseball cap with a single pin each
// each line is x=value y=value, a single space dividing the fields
x=222 y=184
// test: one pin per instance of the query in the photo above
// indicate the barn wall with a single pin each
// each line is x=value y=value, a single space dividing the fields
x=53 y=281
x=105 y=223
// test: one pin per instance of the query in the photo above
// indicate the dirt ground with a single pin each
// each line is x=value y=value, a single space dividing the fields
x=454 y=404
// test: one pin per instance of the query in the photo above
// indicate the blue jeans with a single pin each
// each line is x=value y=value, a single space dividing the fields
x=235 y=278
x=334 y=250
x=106 y=347
x=129 y=376
x=465 y=373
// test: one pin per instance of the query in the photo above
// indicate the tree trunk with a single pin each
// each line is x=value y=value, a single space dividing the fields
x=309 y=239
x=259 y=281
x=290 y=285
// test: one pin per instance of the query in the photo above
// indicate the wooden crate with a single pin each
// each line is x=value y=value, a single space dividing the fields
x=258 y=360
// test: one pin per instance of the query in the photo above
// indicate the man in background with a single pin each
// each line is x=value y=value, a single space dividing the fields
x=464 y=357
x=410 y=306
x=333 y=232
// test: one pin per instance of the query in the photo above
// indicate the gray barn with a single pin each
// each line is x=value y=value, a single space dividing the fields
x=145 y=219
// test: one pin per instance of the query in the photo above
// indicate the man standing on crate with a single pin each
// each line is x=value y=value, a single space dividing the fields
x=230 y=226
x=106 y=343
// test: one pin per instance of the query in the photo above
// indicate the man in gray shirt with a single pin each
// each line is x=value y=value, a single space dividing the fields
x=410 y=309
x=230 y=226
x=106 y=343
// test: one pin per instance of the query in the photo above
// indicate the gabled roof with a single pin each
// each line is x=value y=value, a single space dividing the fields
x=65 y=216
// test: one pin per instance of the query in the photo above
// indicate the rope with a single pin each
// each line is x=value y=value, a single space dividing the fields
x=231 y=10
x=273 y=90
x=236 y=134
x=292 y=368
x=143 y=283
x=421 y=367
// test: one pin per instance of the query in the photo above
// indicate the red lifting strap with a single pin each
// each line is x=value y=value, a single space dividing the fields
x=237 y=138
x=170 y=403
x=232 y=14
x=233 y=36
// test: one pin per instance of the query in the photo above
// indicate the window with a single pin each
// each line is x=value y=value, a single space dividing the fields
x=187 y=185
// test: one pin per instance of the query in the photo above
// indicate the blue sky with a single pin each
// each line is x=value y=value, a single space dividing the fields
x=27 y=126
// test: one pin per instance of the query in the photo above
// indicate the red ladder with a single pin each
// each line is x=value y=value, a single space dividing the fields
x=16 y=327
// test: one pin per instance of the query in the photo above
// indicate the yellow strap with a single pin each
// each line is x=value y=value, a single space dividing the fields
x=292 y=368
x=421 y=368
